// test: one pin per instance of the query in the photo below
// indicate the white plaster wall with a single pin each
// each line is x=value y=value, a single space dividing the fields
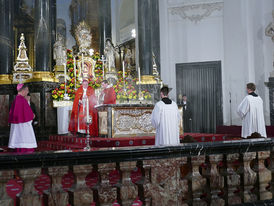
x=234 y=35
x=247 y=51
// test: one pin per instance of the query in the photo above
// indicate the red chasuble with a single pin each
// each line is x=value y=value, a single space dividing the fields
x=79 y=113
x=20 y=111
x=110 y=96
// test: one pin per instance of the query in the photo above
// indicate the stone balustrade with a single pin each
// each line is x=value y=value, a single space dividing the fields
x=221 y=173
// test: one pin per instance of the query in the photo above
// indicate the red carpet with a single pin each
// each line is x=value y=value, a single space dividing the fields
x=236 y=130
x=60 y=142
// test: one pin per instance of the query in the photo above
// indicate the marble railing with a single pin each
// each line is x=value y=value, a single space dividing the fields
x=220 y=173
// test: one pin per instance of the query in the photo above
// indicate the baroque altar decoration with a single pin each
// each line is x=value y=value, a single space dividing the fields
x=22 y=71
x=73 y=82
x=88 y=65
x=125 y=88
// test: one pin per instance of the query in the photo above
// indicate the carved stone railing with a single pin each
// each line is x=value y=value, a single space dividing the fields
x=221 y=173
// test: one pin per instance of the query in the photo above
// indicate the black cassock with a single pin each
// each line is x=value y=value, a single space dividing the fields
x=187 y=116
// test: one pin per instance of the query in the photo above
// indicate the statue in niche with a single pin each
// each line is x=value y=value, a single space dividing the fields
x=59 y=50
x=128 y=57
x=110 y=52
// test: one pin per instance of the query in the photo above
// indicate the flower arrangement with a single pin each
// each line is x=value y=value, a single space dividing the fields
x=124 y=87
x=58 y=93
x=146 y=94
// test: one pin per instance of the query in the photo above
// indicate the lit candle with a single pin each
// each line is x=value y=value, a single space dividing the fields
x=103 y=58
x=87 y=106
x=65 y=74
x=139 y=75
x=123 y=70
x=82 y=68
x=74 y=68
x=109 y=63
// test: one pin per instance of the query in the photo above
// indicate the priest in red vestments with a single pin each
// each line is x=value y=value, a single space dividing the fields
x=22 y=137
x=84 y=101
x=108 y=95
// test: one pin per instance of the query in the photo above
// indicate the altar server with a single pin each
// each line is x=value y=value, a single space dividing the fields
x=108 y=95
x=251 y=112
x=83 y=105
x=22 y=137
x=166 y=120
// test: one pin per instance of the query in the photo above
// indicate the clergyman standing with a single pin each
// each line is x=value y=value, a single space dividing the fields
x=252 y=113
x=166 y=119
x=187 y=114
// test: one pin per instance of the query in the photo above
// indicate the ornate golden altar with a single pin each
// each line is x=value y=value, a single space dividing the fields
x=126 y=120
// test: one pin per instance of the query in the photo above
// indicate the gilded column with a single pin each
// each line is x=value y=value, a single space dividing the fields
x=6 y=40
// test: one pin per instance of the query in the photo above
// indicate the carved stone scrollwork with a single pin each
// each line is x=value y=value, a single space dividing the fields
x=57 y=195
x=250 y=177
x=197 y=181
x=162 y=182
x=132 y=121
x=29 y=194
x=196 y=12
x=264 y=176
x=233 y=179
x=128 y=190
x=147 y=164
x=216 y=180
x=183 y=184
x=82 y=194
x=106 y=192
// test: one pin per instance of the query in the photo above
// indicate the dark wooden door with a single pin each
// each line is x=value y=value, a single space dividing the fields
x=202 y=83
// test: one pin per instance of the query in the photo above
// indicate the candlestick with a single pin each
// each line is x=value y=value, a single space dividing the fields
x=87 y=148
x=109 y=63
x=139 y=75
x=87 y=106
x=65 y=74
x=74 y=69
x=102 y=59
x=124 y=70
x=82 y=67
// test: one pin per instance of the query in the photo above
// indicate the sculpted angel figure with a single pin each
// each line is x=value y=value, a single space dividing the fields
x=59 y=50
x=110 y=52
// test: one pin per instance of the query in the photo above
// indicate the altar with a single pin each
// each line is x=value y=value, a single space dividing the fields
x=126 y=120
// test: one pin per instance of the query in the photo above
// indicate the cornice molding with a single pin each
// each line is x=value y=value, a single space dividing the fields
x=196 y=12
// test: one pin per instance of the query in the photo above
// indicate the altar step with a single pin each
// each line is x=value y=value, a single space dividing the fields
x=61 y=142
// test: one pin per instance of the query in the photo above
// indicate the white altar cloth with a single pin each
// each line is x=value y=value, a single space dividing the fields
x=63 y=117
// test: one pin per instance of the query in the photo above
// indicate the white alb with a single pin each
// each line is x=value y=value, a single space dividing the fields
x=166 y=119
x=252 y=114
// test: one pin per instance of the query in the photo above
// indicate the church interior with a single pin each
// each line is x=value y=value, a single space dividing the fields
x=105 y=154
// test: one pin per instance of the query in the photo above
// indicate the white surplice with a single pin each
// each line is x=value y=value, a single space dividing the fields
x=22 y=136
x=252 y=114
x=166 y=119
